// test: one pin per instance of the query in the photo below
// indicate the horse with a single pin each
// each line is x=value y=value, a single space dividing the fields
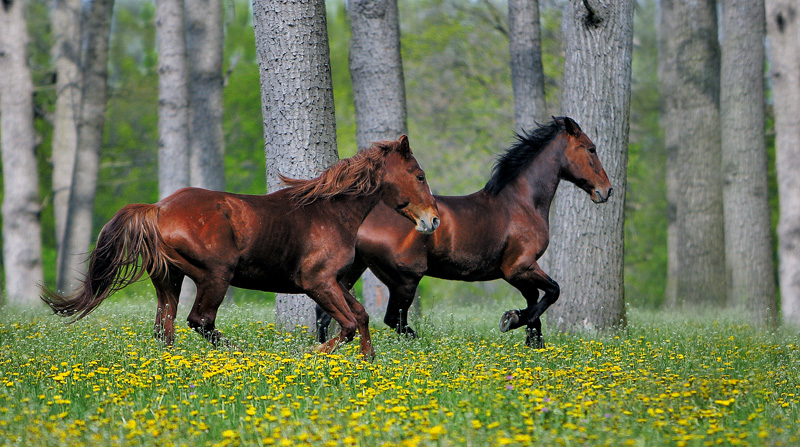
x=498 y=232
x=300 y=239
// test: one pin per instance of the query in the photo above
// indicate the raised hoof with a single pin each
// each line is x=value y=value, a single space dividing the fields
x=509 y=320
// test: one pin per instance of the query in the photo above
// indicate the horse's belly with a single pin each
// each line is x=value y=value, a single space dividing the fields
x=273 y=280
x=464 y=269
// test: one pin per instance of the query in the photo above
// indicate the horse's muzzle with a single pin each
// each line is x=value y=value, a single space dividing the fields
x=427 y=224
x=600 y=196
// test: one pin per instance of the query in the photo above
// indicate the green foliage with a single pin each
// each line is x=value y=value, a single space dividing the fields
x=683 y=380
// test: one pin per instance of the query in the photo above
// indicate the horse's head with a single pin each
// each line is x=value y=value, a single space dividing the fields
x=405 y=188
x=581 y=165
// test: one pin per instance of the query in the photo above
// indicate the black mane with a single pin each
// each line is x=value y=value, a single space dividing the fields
x=528 y=145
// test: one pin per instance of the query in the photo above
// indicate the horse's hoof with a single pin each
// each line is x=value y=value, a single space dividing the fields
x=509 y=320
x=409 y=333
x=534 y=342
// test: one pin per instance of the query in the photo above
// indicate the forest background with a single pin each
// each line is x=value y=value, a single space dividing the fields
x=460 y=117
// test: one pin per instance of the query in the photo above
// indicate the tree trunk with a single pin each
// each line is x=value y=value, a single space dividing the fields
x=297 y=106
x=173 y=98
x=782 y=28
x=748 y=238
x=690 y=113
x=376 y=70
x=78 y=229
x=527 y=73
x=66 y=22
x=22 y=242
x=204 y=38
x=587 y=239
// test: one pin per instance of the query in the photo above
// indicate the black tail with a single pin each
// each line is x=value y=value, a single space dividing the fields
x=114 y=263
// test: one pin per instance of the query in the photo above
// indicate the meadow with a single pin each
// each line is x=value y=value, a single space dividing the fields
x=689 y=379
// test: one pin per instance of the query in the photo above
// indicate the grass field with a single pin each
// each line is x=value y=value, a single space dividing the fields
x=666 y=380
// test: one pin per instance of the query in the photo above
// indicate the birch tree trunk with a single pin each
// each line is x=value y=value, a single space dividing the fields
x=379 y=93
x=782 y=29
x=78 y=229
x=748 y=238
x=587 y=239
x=527 y=73
x=173 y=98
x=690 y=96
x=66 y=22
x=204 y=38
x=22 y=242
x=297 y=106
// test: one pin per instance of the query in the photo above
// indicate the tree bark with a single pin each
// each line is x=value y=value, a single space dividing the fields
x=78 y=229
x=587 y=239
x=376 y=70
x=66 y=22
x=748 y=238
x=527 y=73
x=782 y=29
x=22 y=243
x=173 y=98
x=690 y=95
x=204 y=38
x=297 y=107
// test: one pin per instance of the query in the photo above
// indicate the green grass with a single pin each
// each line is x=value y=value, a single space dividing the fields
x=666 y=380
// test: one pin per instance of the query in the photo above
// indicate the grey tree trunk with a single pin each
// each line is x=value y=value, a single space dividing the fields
x=297 y=107
x=66 y=20
x=587 y=239
x=690 y=113
x=748 y=238
x=78 y=229
x=782 y=29
x=204 y=38
x=527 y=73
x=22 y=243
x=173 y=98
x=379 y=93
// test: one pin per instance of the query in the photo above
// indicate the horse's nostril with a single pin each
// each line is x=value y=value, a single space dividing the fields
x=435 y=222
x=610 y=191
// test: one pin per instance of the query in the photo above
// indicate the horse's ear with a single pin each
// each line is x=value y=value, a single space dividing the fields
x=571 y=126
x=403 y=147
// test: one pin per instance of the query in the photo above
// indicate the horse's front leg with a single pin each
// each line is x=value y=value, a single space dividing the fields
x=514 y=319
x=335 y=301
x=529 y=283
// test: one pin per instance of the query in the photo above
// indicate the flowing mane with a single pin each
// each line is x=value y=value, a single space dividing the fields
x=357 y=175
x=528 y=145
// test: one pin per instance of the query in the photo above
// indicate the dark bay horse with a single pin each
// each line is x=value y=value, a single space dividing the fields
x=497 y=232
x=300 y=239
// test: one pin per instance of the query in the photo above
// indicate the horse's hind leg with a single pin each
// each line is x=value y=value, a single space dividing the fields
x=210 y=294
x=168 y=290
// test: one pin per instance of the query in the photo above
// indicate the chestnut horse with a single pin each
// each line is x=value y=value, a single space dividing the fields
x=497 y=232
x=300 y=239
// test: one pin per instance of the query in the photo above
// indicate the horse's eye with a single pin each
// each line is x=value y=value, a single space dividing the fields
x=592 y=150
x=421 y=178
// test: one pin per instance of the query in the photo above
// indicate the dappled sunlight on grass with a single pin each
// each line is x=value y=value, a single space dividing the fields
x=105 y=380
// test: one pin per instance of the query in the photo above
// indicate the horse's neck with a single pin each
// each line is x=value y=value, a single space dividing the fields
x=357 y=208
x=540 y=182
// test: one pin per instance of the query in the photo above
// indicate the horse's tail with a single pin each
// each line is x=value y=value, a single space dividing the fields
x=114 y=263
